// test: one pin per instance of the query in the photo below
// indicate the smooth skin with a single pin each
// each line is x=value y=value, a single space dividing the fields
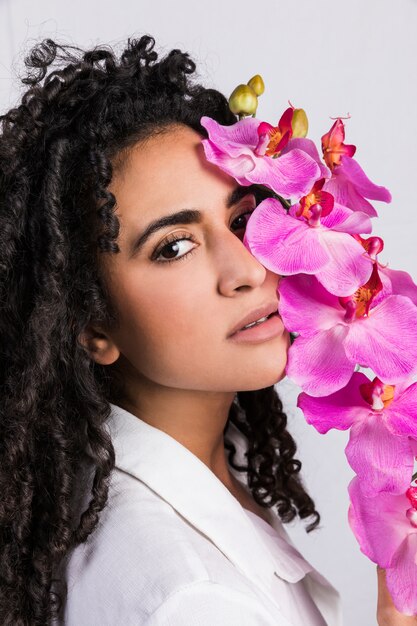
x=181 y=372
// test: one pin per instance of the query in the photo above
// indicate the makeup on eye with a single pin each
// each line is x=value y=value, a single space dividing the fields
x=177 y=237
x=188 y=216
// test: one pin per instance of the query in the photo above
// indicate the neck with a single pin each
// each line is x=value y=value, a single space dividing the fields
x=196 y=419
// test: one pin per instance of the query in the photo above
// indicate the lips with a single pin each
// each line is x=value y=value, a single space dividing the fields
x=254 y=315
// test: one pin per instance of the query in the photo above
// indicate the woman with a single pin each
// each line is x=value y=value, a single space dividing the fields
x=124 y=376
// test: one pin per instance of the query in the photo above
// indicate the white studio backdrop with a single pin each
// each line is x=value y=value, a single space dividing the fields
x=332 y=59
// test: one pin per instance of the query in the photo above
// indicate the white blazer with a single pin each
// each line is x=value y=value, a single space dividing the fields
x=174 y=547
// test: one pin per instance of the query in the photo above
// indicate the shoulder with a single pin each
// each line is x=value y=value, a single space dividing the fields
x=145 y=560
x=138 y=551
x=205 y=603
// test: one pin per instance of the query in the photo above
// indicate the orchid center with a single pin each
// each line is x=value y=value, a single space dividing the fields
x=333 y=146
x=315 y=205
x=372 y=245
x=358 y=304
x=377 y=394
x=273 y=139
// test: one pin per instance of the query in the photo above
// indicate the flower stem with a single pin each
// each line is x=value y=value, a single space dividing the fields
x=285 y=203
x=272 y=194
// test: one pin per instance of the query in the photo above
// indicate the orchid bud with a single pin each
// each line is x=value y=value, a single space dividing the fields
x=257 y=84
x=243 y=101
x=299 y=123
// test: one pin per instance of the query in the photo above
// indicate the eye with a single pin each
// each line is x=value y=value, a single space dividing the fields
x=242 y=219
x=170 y=247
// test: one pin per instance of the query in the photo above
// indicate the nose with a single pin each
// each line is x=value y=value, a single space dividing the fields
x=238 y=269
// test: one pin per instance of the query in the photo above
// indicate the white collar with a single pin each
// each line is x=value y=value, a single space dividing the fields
x=194 y=491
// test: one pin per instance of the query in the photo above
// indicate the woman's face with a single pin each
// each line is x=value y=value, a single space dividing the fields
x=178 y=302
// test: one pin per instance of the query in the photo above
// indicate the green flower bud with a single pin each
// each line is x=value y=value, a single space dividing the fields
x=243 y=101
x=257 y=84
x=299 y=123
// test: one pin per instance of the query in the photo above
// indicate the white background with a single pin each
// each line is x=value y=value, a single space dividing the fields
x=332 y=58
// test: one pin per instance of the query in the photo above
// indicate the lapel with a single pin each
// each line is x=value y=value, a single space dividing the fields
x=289 y=563
x=193 y=490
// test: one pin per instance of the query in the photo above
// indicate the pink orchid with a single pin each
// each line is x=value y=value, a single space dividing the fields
x=349 y=184
x=382 y=418
x=396 y=282
x=250 y=152
x=273 y=139
x=336 y=334
x=346 y=309
x=333 y=146
x=308 y=146
x=385 y=527
x=313 y=238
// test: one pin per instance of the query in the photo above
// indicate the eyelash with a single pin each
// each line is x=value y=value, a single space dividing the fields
x=174 y=238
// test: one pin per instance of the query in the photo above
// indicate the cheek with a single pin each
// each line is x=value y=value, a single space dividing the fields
x=174 y=331
x=164 y=327
x=174 y=310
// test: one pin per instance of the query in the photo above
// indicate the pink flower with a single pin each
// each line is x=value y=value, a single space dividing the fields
x=249 y=150
x=312 y=238
x=399 y=282
x=386 y=529
x=382 y=418
x=273 y=139
x=333 y=146
x=396 y=282
x=336 y=334
x=308 y=146
x=349 y=184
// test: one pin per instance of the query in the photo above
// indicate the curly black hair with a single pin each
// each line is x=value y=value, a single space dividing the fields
x=58 y=150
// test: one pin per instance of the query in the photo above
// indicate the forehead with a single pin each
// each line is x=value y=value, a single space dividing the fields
x=166 y=171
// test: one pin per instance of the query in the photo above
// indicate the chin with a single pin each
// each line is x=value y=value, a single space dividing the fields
x=260 y=380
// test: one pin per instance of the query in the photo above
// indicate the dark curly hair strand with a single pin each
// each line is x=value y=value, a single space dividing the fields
x=58 y=151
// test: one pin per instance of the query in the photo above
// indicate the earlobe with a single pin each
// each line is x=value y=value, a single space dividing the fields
x=100 y=347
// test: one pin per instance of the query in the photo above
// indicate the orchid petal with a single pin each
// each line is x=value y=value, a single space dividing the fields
x=401 y=578
x=290 y=175
x=347 y=268
x=306 y=307
x=345 y=193
x=383 y=462
x=333 y=146
x=358 y=527
x=318 y=364
x=237 y=167
x=353 y=171
x=337 y=216
x=386 y=288
x=283 y=244
x=379 y=523
x=285 y=121
x=338 y=410
x=401 y=283
x=236 y=139
x=308 y=146
x=401 y=414
x=386 y=340
x=354 y=222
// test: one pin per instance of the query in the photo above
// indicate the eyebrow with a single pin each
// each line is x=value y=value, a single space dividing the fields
x=186 y=216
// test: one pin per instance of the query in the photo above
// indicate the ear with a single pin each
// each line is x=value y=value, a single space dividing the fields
x=99 y=345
